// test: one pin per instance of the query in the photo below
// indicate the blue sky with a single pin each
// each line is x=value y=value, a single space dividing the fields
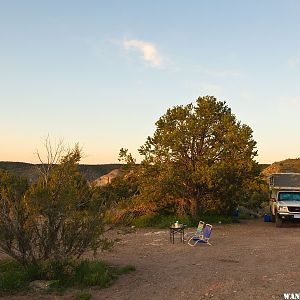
x=102 y=72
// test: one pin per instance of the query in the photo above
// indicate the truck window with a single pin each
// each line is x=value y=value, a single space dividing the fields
x=289 y=196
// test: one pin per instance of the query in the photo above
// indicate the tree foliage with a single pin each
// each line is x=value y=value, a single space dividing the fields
x=55 y=218
x=199 y=158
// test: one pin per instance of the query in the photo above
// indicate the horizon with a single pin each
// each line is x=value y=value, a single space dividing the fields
x=115 y=163
x=30 y=163
x=102 y=74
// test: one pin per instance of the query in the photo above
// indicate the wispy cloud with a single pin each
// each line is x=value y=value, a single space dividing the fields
x=294 y=61
x=148 y=51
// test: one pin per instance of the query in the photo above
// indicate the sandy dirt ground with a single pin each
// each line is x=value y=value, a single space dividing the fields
x=250 y=260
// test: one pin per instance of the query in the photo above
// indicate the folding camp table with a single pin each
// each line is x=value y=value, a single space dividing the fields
x=179 y=229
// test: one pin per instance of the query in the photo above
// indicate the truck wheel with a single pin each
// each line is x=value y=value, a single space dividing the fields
x=278 y=221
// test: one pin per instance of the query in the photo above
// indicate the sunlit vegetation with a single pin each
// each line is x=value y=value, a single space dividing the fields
x=47 y=225
x=200 y=160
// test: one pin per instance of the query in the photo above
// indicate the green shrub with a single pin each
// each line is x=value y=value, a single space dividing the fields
x=164 y=221
x=93 y=273
x=58 y=217
x=15 y=277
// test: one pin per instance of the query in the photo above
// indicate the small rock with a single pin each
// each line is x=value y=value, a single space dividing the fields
x=40 y=285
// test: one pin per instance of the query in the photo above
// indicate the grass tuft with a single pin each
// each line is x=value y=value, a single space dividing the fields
x=93 y=273
x=77 y=274
x=126 y=269
x=12 y=276
x=83 y=295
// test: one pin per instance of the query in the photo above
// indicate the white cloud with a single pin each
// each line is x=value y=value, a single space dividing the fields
x=294 y=61
x=148 y=50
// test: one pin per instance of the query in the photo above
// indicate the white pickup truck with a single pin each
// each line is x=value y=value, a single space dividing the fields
x=284 y=197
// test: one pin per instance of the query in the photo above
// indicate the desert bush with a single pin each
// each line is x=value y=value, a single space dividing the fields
x=54 y=219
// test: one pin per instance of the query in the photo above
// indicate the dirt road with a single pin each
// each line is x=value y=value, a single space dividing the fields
x=250 y=260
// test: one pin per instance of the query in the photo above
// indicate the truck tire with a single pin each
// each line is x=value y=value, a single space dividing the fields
x=278 y=220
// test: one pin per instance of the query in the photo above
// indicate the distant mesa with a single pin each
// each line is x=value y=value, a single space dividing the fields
x=107 y=178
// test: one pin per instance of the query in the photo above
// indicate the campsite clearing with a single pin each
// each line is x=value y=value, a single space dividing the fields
x=250 y=260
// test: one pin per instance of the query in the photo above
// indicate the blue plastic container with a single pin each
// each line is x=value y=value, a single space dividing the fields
x=267 y=218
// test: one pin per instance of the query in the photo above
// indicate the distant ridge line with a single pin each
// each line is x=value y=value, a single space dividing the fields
x=29 y=170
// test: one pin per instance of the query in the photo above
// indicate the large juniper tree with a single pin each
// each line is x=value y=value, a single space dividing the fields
x=199 y=156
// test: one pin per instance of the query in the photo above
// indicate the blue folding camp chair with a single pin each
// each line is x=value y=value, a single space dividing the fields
x=196 y=239
x=199 y=231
